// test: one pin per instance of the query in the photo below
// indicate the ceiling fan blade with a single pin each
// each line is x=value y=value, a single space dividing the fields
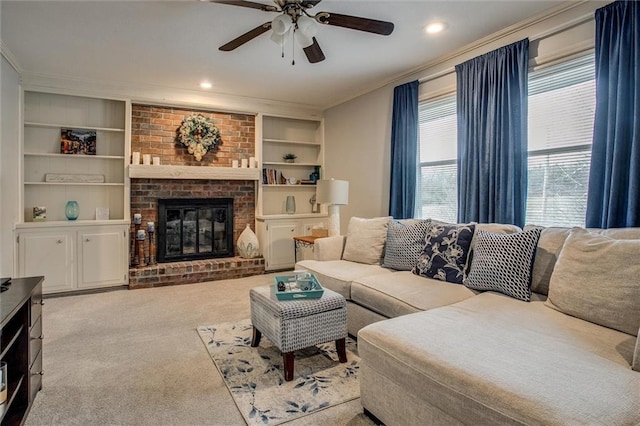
x=355 y=23
x=248 y=36
x=251 y=4
x=314 y=53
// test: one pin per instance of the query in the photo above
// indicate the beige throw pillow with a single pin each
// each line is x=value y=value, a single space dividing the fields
x=596 y=279
x=365 y=239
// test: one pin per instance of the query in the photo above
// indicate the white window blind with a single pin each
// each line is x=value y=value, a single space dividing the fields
x=438 y=153
x=561 y=113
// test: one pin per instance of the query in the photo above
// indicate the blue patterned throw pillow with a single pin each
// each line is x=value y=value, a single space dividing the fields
x=504 y=263
x=445 y=253
x=405 y=239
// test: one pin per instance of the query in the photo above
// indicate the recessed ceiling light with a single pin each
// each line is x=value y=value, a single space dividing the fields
x=435 y=27
x=206 y=85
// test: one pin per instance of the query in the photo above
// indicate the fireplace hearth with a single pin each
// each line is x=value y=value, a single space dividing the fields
x=195 y=229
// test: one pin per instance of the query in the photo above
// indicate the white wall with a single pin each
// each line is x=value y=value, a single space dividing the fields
x=358 y=132
x=9 y=159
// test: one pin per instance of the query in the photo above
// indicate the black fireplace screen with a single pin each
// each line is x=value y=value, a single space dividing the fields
x=195 y=228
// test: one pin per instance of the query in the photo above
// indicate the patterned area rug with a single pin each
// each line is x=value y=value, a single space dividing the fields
x=255 y=376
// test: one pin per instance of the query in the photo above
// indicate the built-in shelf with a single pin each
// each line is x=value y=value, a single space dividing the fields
x=276 y=163
x=193 y=172
x=70 y=223
x=285 y=141
x=75 y=157
x=292 y=216
x=76 y=183
x=288 y=186
x=71 y=126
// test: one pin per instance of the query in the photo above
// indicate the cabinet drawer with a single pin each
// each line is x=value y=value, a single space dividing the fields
x=35 y=340
x=36 y=311
x=35 y=377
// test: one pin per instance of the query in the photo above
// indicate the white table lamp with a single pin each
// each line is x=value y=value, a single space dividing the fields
x=334 y=193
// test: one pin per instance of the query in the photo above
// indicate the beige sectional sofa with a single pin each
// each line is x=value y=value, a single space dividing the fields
x=435 y=353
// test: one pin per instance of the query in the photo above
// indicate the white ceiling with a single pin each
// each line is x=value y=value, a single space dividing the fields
x=174 y=44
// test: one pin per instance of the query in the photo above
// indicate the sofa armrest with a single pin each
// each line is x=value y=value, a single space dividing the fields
x=329 y=248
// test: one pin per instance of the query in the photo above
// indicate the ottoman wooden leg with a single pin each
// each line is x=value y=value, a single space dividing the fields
x=288 y=366
x=255 y=339
x=340 y=348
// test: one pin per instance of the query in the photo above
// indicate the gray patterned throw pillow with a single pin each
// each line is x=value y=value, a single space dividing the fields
x=445 y=252
x=504 y=263
x=405 y=239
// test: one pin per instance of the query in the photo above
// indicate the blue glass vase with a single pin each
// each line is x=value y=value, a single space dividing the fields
x=72 y=210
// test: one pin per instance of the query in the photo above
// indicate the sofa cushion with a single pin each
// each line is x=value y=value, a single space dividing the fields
x=405 y=240
x=365 y=240
x=549 y=247
x=596 y=278
x=337 y=275
x=404 y=293
x=445 y=252
x=491 y=359
x=503 y=263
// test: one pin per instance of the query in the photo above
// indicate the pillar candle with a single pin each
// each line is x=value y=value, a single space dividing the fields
x=151 y=227
x=245 y=163
x=135 y=158
x=137 y=218
x=252 y=162
x=234 y=164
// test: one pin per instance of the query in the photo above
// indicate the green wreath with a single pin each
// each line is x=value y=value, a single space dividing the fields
x=199 y=135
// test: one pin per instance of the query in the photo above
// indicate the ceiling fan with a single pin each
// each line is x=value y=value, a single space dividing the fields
x=296 y=20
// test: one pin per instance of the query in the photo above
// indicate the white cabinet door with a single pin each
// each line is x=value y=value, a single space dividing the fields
x=49 y=254
x=281 y=253
x=102 y=258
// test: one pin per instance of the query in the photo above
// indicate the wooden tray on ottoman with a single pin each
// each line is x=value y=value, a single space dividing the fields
x=292 y=292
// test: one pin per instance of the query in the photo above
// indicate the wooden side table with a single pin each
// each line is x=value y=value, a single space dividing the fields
x=305 y=241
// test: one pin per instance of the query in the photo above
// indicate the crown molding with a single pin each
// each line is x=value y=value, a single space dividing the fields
x=164 y=95
x=420 y=72
x=10 y=57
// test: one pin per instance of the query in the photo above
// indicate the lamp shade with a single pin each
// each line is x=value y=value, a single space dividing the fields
x=281 y=24
x=331 y=191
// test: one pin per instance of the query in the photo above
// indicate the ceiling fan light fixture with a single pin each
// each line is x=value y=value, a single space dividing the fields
x=303 y=40
x=281 y=24
x=307 y=26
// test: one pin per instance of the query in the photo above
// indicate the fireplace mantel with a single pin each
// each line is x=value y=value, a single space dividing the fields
x=193 y=172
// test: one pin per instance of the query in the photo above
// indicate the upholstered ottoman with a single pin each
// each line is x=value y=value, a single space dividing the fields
x=292 y=325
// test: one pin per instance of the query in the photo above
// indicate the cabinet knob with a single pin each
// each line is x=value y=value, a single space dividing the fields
x=40 y=337
x=59 y=241
x=39 y=373
x=39 y=302
x=86 y=240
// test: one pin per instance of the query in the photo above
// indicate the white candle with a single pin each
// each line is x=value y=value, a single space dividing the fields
x=135 y=158
x=146 y=159
x=156 y=161
x=252 y=162
x=137 y=218
x=234 y=164
x=245 y=163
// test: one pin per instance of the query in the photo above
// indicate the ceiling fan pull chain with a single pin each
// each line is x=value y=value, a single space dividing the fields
x=293 y=47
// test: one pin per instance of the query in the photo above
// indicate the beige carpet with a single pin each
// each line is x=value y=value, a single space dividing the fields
x=133 y=357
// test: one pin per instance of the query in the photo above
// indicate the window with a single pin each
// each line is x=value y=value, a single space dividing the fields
x=560 y=130
x=561 y=114
x=438 y=196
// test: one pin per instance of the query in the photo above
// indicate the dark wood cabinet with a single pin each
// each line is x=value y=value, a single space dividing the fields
x=21 y=346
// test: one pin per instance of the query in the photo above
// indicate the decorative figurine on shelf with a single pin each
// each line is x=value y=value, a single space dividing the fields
x=72 y=210
x=315 y=176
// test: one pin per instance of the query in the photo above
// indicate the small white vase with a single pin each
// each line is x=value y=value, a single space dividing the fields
x=248 y=246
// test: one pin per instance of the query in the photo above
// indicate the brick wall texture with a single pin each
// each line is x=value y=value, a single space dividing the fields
x=154 y=131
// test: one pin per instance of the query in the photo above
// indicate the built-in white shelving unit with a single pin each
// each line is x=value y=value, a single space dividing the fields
x=277 y=136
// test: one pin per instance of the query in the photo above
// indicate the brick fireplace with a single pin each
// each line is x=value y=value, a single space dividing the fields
x=153 y=131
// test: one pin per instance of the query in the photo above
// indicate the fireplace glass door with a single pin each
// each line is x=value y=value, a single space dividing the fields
x=195 y=228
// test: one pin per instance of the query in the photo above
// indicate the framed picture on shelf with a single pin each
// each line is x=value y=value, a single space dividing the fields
x=78 y=141
x=39 y=214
